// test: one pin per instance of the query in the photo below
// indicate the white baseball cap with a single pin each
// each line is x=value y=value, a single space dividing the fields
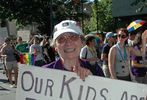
x=67 y=26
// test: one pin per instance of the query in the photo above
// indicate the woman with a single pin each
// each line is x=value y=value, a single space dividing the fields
x=139 y=68
x=109 y=42
x=36 y=50
x=89 y=53
x=118 y=58
x=68 y=41
x=49 y=52
x=11 y=63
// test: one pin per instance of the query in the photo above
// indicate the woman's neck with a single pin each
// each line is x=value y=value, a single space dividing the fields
x=121 y=44
x=70 y=64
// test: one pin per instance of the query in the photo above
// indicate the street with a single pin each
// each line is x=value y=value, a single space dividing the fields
x=6 y=93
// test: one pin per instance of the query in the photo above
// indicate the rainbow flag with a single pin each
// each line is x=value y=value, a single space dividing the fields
x=27 y=58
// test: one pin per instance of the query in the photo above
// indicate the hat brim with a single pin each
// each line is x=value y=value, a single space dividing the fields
x=60 y=32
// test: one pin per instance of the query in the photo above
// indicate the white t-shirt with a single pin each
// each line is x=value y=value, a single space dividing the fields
x=85 y=53
x=38 y=48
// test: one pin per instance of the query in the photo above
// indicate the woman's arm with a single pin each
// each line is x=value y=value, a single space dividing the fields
x=144 y=41
x=132 y=51
x=111 y=62
x=135 y=64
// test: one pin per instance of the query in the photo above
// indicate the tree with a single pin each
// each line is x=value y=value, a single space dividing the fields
x=45 y=13
x=26 y=12
x=102 y=19
x=142 y=3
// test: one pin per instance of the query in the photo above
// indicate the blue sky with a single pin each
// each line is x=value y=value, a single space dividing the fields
x=91 y=0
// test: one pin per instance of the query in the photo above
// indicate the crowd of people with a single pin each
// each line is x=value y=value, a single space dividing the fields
x=79 y=53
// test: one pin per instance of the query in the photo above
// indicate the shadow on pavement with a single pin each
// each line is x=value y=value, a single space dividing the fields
x=4 y=80
x=3 y=89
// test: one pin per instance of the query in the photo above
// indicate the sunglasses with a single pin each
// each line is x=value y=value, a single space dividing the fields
x=122 y=36
x=72 y=37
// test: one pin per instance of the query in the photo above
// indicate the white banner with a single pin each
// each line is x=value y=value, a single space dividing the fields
x=36 y=83
x=25 y=34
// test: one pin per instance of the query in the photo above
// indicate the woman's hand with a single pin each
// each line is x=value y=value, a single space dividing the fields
x=144 y=35
x=82 y=72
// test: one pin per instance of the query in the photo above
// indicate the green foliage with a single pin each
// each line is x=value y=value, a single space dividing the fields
x=142 y=4
x=102 y=19
x=26 y=12
x=45 y=13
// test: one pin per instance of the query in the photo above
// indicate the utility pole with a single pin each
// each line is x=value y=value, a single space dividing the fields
x=82 y=18
x=97 y=19
x=51 y=15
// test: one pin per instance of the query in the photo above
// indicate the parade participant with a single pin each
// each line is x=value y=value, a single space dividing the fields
x=138 y=67
x=48 y=50
x=21 y=46
x=118 y=58
x=36 y=50
x=68 y=41
x=144 y=45
x=109 y=42
x=89 y=53
x=11 y=63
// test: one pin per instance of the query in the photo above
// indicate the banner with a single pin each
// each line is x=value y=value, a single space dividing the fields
x=35 y=83
x=25 y=34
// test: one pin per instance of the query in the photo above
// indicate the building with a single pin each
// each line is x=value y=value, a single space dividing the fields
x=126 y=11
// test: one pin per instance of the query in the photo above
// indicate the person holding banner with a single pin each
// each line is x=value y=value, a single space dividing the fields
x=119 y=55
x=68 y=40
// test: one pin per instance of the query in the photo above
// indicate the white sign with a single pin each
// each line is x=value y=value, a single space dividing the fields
x=3 y=34
x=35 y=83
x=12 y=27
x=25 y=34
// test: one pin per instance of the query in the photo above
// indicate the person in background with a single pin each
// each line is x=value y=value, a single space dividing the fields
x=11 y=63
x=99 y=43
x=89 y=53
x=21 y=46
x=119 y=55
x=131 y=38
x=36 y=50
x=3 y=59
x=68 y=40
x=144 y=45
x=138 y=68
x=109 y=42
x=48 y=50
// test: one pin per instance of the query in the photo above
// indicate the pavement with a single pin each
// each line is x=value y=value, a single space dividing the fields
x=6 y=92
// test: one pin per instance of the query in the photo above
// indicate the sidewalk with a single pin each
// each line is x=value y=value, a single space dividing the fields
x=6 y=93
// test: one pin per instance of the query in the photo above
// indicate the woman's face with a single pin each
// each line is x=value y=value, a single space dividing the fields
x=68 y=45
x=122 y=36
x=92 y=43
x=137 y=38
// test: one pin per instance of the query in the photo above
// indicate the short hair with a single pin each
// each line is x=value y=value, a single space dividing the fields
x=89 y=38
x=19 y=38
x=7 y=39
